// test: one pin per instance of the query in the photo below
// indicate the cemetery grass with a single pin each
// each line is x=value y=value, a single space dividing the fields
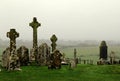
x=81 y=73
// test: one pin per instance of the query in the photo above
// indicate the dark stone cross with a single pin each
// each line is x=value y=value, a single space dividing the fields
x=53 y=40
x=12 y=35
x=34 y=24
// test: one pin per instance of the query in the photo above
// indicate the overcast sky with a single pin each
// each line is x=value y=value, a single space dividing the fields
x=68 y=19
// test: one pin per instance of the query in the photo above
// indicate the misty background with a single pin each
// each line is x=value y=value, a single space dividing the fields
x=68 y=19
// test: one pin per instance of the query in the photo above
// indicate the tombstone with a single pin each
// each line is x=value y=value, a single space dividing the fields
x=87 y=61
x=91 y=62
x=32 y=55
x=84 y=61
x=5 y=57
x=75 y=58
x=23 y=54
x=10 y=60
x=43 y=56
x=80 y=60
x=53 y=40
x=112 y=57
x=34 y=24
x=72 y=64
x=14 y=63
x=103 y=50
x=55 y=60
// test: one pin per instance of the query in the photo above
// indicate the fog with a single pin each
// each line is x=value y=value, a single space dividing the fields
x=68 y=19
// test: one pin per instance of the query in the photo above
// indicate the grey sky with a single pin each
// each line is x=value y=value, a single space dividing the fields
x=68 y=19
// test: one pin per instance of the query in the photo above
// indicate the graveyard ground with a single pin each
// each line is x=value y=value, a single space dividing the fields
x=81 y=73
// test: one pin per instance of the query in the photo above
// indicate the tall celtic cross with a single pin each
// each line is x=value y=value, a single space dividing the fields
x=34 y=24
x=53 y=40
x=12 y=35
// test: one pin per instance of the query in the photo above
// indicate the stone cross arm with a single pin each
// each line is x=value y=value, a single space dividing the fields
x=12 y=34
x=53 y=38
x=34 y=24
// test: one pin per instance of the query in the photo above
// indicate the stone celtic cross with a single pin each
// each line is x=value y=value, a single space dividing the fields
x=53 y=40
x=34 y=24
x=12 y=35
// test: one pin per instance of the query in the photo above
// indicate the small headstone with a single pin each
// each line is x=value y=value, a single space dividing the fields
x=72 y=64
x=43 y=56
x=112 y=57
x=23 y=54
x=55 y=60
x=5 y=57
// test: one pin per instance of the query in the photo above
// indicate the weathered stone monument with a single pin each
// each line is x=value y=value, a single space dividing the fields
x=75 y=58
x=5 y=57
x=55 y=60
x=34 y=24
x=72 y=64
x=112 y=57
x=55 y=56
x=103 y=50
x=10 y=59
x=53 y=40
x=43 y=56
x=23 y=54
x=12 y=35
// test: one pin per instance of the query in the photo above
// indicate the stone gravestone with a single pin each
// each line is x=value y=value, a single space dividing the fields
x=75 y=58
x=55 y=60
x=23 y=54
x=43 y=56
x=34 y=24
x=103 y=50
x=53 y=40
x=72 y=64
x=5 y=57
x=112 y=57
x=55 y=57
x=9 y=56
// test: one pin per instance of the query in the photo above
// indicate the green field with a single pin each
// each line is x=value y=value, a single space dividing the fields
x=89 y=53
x=81 y=73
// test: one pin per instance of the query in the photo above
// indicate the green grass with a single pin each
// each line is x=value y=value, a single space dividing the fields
x=81 y=73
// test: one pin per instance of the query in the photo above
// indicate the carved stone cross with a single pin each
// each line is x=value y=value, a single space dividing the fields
x=12 y=35
x=34 y=24
x=53 y=40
